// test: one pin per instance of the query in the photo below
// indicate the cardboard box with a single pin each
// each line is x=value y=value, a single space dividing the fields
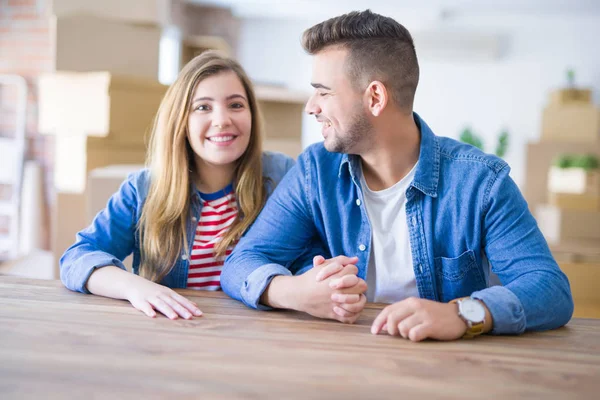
x=560 y=225
x=193 y=46
x=103 y=183
x=76 y=155
x=565 y=96
x=573 y=180
x=88 y=43
x=538 y=160
x=570 y=201
x=584 y=279
x=283 y=110
x=291 y=147
x=67 y=218
x=575 y=123
x=132 y=11
x=119 y=107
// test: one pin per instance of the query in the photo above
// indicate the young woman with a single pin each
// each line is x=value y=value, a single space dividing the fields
x=206 y=183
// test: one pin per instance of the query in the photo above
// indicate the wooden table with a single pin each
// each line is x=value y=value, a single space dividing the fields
x=59 y=344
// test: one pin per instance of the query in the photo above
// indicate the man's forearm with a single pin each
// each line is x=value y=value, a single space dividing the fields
x=281 y=293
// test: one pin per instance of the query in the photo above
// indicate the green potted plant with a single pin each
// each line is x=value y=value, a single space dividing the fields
x=469 y=137
x=575 y=173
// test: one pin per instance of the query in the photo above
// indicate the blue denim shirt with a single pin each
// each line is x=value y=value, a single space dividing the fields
x=464 y=214
x=113 y=235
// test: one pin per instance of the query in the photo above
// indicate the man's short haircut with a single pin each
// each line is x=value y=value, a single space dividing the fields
x=379 y=48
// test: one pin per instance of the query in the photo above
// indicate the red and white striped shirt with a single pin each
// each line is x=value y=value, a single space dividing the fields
x=218 y=213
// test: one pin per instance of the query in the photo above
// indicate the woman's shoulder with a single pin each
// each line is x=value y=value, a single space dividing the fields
x=136 y=182
x=275 y=164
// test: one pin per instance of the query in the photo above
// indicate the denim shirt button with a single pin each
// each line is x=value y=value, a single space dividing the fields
x=194 y=219
x=362 y=247
x=358 y=202
x=184 y=257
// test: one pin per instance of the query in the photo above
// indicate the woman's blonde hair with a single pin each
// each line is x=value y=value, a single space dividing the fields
x=166 y=212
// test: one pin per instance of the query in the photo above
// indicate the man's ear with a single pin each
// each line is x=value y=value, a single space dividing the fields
x=377 y=97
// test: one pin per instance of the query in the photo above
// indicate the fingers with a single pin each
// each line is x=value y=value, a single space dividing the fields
x=190 y=305
x=318 y=260
x=175 y=306
x=334 y=265
x=346 y=281
x=329 y=270
x=345 y=298
x=354 y=308
x=350 y=269
x=359 y=288
x=343 y=313
x=163 y=307
x=400 y=319
x=147 y=309
x=344 y=260
x=349 y=319
x=407 y=324
x=381 y=319
x=397 y=316
x=420 y=332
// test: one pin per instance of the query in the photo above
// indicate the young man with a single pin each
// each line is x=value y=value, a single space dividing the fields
x=424 y=215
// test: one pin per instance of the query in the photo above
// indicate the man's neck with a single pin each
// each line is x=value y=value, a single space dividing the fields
x=210 y=178
x=394 y=153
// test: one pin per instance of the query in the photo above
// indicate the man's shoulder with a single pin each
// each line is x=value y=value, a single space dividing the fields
x=453 y=151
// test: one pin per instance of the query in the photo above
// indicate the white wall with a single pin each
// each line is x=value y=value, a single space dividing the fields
x=509 y=91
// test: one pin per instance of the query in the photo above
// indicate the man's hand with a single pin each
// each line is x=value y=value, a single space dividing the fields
x=346 y=305
x=321 y=298
x=418 y=319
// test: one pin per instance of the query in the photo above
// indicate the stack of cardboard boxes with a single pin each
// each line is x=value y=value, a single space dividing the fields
x=100 y=103
x=566 y=201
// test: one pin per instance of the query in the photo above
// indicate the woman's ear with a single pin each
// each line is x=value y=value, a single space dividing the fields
x=377 y=97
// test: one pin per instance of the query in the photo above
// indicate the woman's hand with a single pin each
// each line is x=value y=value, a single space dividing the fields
x=148 y=296
x=145 y=295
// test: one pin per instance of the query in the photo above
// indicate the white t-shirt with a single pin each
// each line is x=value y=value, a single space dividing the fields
x=390 y=274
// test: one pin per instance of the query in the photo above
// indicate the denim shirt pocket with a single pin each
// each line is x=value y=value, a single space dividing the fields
x=458 y=277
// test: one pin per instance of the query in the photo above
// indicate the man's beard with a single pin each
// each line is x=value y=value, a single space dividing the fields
x=359 y=130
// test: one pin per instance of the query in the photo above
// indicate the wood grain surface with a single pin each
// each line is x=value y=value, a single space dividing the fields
x=58 y=344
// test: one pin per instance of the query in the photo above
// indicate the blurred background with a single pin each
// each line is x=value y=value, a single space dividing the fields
x=81 y=80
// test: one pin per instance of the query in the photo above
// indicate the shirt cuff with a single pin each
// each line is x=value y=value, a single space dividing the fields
x=257 y=282
x=506 y=309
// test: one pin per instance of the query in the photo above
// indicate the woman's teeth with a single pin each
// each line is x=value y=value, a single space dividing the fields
x=221 y=138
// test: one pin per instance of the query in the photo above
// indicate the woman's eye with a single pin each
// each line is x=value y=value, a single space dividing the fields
x=237 y=105
x=201 y=107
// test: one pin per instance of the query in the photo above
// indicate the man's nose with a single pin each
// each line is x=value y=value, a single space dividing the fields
x=312 y=108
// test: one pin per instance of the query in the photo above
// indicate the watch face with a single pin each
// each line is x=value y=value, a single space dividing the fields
x=472 y=310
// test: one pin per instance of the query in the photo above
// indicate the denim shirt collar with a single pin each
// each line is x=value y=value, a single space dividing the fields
x=427 y=174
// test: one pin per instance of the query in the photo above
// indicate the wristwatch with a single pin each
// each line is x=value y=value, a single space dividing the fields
x=473 y=313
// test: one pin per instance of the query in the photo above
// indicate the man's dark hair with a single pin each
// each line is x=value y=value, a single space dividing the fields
x=379 y=48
